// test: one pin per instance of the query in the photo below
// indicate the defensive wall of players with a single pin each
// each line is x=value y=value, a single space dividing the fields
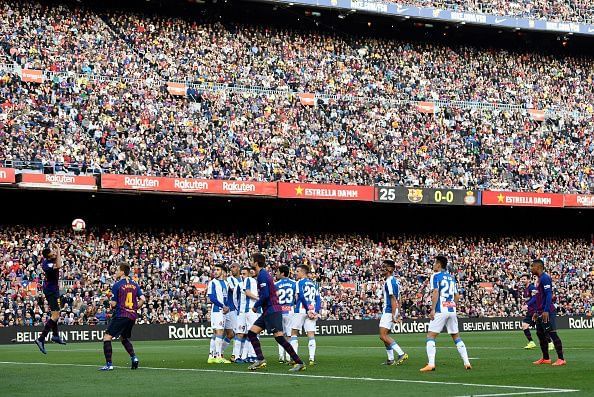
x=87 y=333
x=289 y=190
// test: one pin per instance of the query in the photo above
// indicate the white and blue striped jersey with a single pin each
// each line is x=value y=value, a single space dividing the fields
x=245 y=303
x=286 y=289
x=391 y=287
x=307 y=295
x=217 y=294
x=234 y=284
x=445 y=283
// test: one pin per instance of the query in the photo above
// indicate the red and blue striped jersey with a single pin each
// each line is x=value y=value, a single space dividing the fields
x=126 y=294
x=268 y=298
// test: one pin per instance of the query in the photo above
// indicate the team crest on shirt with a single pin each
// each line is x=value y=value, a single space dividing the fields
x=415 y=195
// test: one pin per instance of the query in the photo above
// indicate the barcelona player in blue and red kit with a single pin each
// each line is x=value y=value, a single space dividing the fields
x=52 y=262
x=271 y=318
x=126 y=298
x=529 y=296
x=545 y=316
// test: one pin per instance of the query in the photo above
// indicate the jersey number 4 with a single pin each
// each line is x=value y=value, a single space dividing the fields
x=129 y=304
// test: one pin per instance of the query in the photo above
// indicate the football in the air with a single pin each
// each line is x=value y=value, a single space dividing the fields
x=78 y=225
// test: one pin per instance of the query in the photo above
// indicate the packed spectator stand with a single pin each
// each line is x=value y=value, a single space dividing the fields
x=172 y=267
x=565 y=10
x=105 y=108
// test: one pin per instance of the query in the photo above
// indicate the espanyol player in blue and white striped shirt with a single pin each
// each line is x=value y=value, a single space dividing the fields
x=217 y=294
x=246 y=317
x=444 y=298
x=307 y=307
x=234 y=284
x=286 y=289
x=390 y=314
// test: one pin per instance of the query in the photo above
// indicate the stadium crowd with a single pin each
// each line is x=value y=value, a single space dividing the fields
x=199 y=50
x=172 y=267
x=80 y=123
x=78 y=126
x=563 y=10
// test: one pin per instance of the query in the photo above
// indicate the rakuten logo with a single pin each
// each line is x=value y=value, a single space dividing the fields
x=137 y=182
x=585 y=201
x=239 y=187
x=581 y=323
x=64 y=179
x=183 y=184
x=189 y=332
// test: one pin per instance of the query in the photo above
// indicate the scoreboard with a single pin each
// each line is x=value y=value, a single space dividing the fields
x=418 y=195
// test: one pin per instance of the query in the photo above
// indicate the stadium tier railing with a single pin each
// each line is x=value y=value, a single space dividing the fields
x=214 y=87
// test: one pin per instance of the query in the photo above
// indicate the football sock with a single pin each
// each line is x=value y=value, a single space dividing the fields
x=396 y=347
x=253 y=337
x=312 y=348
x=558 y=345
x=49 y=325
x=218 y=346
x=237 y=346
x=528 y=335
x=544 y=344
x=212 y=346
x=295 y=343
x=245 y=349
x=462 y=350
x=288 y=348
x=128 y=346
x=107 y=351
x=55 y=328
x=390 y=352
x=431 y=351
x=226 y=342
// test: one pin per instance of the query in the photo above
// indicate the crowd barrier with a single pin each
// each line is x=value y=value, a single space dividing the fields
x=145 y=332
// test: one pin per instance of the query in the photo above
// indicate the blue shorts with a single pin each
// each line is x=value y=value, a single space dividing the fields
x=528 y=319
x=120 y=326
x=271 y=322
x=53 y=300
x=550 y=326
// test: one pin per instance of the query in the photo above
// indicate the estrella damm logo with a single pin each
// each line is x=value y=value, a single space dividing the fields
x=415 y=195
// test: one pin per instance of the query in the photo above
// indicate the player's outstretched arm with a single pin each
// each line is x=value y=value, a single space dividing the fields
x=58 y=263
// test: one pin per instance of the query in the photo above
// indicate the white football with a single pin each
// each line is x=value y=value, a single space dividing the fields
x=78 y=225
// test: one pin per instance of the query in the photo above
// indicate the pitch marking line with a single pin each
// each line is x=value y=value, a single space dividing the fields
x=533 y=390
x=520 y=394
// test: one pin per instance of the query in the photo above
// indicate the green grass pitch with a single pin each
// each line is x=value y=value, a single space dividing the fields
x=347 y=366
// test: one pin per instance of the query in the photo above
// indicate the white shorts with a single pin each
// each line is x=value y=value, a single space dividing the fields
x=287 y=323
x=301 y=321
x=386 y=321
x=231 y=320
x=217 y=320
x=449 y=320
x=245 y=322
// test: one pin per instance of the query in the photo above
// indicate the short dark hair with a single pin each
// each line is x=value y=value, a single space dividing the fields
x=221 y=266
x=125 y=268
x=389 y=263
x=259 y=259
x=442 y=260
x=284 y=270
x=46 y=252
x=305 y=268
x=539 y=262
x=246 y=268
